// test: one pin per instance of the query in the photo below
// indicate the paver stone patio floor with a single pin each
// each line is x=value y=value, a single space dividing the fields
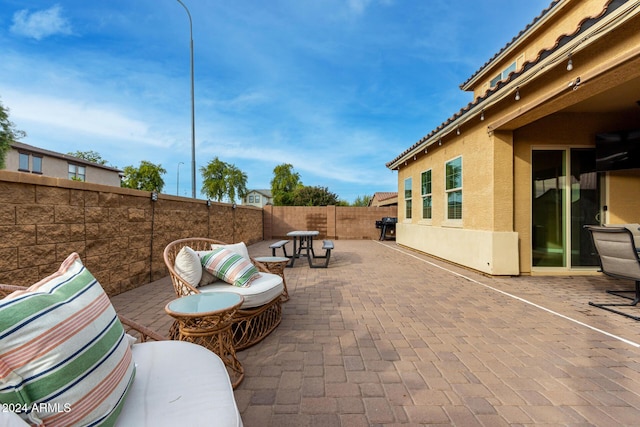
x=388 y=336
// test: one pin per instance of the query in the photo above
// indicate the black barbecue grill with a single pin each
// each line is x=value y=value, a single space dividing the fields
x=387 y=226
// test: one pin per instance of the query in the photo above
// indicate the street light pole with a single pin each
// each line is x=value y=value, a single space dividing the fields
x=193 y=109
x=178 y=180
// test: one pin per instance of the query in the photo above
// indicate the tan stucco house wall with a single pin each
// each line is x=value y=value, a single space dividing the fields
x=540 y=106
x=57 y=165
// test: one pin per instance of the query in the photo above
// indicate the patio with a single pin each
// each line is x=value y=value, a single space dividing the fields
x=388 y=336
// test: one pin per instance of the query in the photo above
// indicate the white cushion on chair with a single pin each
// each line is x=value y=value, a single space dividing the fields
x=264 y=289
x=179 y=383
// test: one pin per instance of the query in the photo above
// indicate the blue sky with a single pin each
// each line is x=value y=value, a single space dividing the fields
x=337 y=88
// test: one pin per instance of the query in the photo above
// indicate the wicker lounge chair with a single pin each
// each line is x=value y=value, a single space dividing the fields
x=251 y=323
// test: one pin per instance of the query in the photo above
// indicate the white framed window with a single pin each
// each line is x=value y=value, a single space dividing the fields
x=505 y=73
x=425 y=187
x=407 y=198
x=77 y=172
x=250 y=199
x=257 y=199
x=453 y=188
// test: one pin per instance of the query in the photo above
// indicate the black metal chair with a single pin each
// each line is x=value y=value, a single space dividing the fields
x=618 y=258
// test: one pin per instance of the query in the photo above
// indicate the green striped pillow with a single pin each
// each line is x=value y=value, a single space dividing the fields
x=230 y=267
x=64 y=358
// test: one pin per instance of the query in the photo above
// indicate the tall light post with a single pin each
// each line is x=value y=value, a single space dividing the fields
x=178 y=180
x=193 y=109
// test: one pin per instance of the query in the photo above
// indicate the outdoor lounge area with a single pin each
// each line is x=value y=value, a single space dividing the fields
x=389 y=336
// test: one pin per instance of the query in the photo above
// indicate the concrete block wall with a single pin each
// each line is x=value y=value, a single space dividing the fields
x=333 y=222
x=119 y=233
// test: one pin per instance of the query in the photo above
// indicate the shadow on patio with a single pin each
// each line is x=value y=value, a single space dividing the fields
x=388 y=336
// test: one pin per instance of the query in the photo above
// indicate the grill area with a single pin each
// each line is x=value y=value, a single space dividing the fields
x=387 y=226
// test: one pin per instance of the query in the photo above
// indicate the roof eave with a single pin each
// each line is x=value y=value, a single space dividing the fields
x=554 y=8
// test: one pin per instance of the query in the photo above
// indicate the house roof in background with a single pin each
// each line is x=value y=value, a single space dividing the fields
x=385 y=195
x=264 y=192
x=26 y=147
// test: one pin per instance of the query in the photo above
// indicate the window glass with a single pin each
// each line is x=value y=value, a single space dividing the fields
x=23 y=162
x=511 y=68
x=257 y=199
x=453 y=187
x=503 y=75
x=77 y=172
x=407 y=197
x=426 y=194
x=37 y=164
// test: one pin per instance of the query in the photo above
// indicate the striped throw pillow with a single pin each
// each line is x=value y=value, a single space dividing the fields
x=230 y=267
x=64 y=358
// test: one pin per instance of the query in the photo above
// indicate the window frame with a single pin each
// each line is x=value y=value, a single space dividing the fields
x=452 y=190
x=408 y=197
x=37 y=170
x=512 y=67
x=75 y=173
x=427 y=193
x=21 y=157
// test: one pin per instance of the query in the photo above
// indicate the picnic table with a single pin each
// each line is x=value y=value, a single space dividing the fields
x=302 y=239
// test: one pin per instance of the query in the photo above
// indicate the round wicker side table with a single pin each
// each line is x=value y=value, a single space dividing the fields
x=276 y=265
x=205 y=319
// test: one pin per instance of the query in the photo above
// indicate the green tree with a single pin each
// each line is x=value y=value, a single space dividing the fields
x=314 y=196
x=8 y=134
x=90 y=156
x=362 y=201
x=284 y=184
x=220 y=179
x=147 y=177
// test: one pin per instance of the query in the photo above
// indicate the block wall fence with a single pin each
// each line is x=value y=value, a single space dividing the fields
x=121 y=233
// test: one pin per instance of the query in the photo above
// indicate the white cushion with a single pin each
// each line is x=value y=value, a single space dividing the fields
x=188 y=266
x=239 y=248
x=63 y=352
x=11 y=419
x=264 y=289
x=179 y=384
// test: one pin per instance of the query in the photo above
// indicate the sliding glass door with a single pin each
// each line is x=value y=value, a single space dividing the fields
x=565 y=197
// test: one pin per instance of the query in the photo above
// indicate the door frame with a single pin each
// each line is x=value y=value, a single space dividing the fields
x=602 y=183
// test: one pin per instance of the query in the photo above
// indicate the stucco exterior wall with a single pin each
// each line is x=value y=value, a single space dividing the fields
x=623 y=197
x=556 y=108
x=484 y=239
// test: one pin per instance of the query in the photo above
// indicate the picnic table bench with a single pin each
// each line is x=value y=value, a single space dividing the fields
x=277 y=245
x=328 y=246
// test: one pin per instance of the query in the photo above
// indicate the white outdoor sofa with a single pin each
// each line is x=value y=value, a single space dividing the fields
x=162 y=382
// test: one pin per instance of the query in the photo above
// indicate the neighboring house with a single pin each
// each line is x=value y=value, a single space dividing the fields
x=550 y=143
x=259 y=198
x=29 y=159
x=384 y=199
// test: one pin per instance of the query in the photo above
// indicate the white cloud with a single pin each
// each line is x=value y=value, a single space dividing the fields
x=40 y=24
